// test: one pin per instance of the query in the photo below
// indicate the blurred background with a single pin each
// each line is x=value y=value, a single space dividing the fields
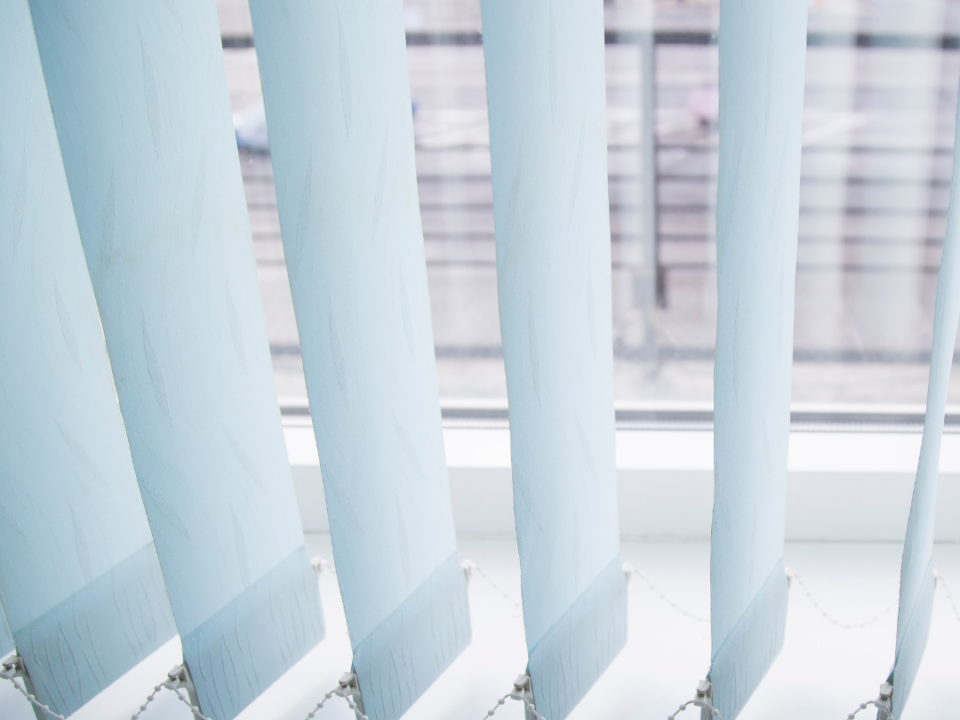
x=880 y=106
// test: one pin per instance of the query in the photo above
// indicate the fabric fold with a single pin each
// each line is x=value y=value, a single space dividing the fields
x=79 y=580
x=581 y=644
x=916 y=571
x=146 y=134
x=412 y=647
x=338 y=107
x=762 y=61
x=546 y=103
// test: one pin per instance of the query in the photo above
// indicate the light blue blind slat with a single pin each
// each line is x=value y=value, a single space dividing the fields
x=762 y=50
x=143 y=117
x=546 y=101
x=341 y=139
x=79 y=577
x=6 y=639
x=916 y=574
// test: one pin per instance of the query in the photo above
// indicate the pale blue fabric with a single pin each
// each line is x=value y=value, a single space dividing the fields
x=581 y=644
x=77 y=556
x=546 y=101
x=239 y=652
x=143 y=116
x=76 y=649
x=762 y=50
x=916 y=572
x=341 y=136
x=6 y=639
x=750 y=648
x=406 y=652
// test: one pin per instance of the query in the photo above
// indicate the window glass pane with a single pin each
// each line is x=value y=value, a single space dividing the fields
x=879 y=116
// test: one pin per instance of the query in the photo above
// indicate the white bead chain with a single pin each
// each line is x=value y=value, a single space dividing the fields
x=521 y=687
x=792 y=576
x=882 y=703
x=865 y=705
x=146 y=703
x=344 y=689
x=12 y=669
x=320 y=565
x=193 y=708
x=347 y=686
x=633 y=572
x=470 y=567
x=702 y=699
x=946 y=589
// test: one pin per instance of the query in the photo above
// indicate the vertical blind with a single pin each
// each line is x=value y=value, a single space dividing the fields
x=143 y=116
x=545 y=95
x=6 y=638
x=79 y=578
x=762 y=49
x=917 y=582
x=338 y=106
x=132 y=205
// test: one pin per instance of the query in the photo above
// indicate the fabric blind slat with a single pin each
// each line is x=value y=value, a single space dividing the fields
x=546 y=101
x=143 y=116
x=79 y=577
x=341 y=139
x=762 y=54
x=917 y=583
x=6 y=638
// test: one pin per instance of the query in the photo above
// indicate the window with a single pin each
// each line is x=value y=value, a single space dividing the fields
x=880 y=101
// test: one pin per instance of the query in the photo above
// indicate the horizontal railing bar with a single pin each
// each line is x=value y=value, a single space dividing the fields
x=851 y=210
x=685 y=208
x=653 y=416
x=713 y=147
x=807 y=240
x=626 y=237
x=809 y=180
x=672 y=353
x=821 y=267
x=862 y=40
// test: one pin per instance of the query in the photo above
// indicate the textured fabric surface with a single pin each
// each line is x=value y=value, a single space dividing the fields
x=738 y=666
x=581 y=644
x=79 y=647
x=144 y=122
x=6 y=639
x=341 y=138
x=916 y=580
x=239 y=652
x=762 y=52
x=545 y=96
x=78 y=573
x=412 y=647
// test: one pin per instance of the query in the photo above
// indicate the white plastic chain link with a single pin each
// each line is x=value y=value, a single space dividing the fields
x=470 y=567
x=150 y=699
x=345 y=688
x=882 y=703
x=12 y=669
x=630 y=570
x=946 y=589
x=193 y=708
x=880 y=709
x=522 y=693
x=347 y=685
x=792 y=576
x=177 y=679
x=319 y=565
x=702 y=699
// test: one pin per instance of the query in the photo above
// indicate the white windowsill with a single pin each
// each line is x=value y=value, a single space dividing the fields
x=842 y=486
